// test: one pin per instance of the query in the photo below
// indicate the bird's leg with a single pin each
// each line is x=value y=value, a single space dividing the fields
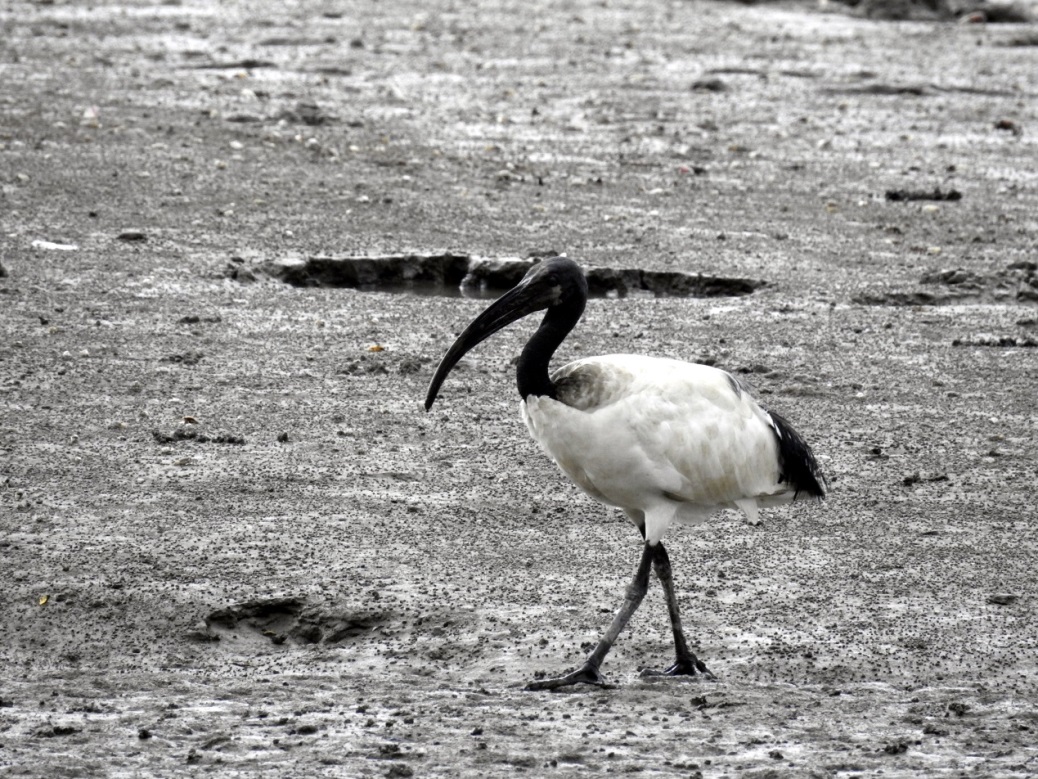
x=588 y=673
x=687 y=664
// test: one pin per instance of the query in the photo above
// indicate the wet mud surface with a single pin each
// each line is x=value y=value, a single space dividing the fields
x=232 y=541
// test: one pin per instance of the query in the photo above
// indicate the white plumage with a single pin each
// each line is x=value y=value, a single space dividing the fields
x=665 y=440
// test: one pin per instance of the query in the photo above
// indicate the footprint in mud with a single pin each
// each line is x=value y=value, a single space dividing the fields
x=291 y=621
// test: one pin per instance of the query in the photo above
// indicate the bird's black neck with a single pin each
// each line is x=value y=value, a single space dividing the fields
x=532 y=370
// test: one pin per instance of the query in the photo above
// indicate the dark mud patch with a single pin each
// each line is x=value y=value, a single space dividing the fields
x=884 y=89
x=464 y=275
x=292 y=621
x=185 y=358
x=444 y=274
x=909 y=195
x=1016 y=283
x=242 y=64
x=1021 y=41
x=609 y=282
x=997 y=342
x=381 y=362
x=940 y=10
x=195 y=319
x=890 y=89
x=190 y=433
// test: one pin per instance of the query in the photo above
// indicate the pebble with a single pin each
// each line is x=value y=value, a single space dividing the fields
x=1002 y=600
x=91 y=117
x=52 y=246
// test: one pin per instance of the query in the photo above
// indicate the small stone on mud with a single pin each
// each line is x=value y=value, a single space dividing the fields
x=132 y=236
x=1008 y=125
x=1003 y=600
x=709 y=85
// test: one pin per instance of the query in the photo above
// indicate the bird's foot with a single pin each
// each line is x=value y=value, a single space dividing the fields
x=586 y=674
x=685 y=666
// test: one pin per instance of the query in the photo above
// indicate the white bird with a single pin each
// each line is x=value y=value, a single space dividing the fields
x=664 y=440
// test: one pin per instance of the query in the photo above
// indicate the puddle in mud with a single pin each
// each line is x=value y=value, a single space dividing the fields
x=480 y=292
x=461 y=275
x=433 y=289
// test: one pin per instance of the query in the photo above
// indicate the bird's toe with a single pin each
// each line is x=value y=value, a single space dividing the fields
x=586 y=674
x=688 y=666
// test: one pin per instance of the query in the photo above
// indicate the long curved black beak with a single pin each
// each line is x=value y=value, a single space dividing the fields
x=534 y=293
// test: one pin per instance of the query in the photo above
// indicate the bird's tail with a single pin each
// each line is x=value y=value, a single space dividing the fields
x=797 y=463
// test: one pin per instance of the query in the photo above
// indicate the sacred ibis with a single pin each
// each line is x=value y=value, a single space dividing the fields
x=664 y=440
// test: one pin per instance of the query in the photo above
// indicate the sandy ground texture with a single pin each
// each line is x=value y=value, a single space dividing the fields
x=233 y=543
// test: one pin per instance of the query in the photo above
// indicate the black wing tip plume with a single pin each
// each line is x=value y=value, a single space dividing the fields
x=797 y=462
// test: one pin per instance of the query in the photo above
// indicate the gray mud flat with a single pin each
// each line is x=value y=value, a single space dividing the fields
x=233 y=542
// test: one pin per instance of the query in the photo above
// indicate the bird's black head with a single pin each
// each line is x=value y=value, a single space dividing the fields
x=560 y=279
x=557 y=284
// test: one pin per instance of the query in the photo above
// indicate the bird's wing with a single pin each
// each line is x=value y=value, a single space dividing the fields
x=706 y=427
